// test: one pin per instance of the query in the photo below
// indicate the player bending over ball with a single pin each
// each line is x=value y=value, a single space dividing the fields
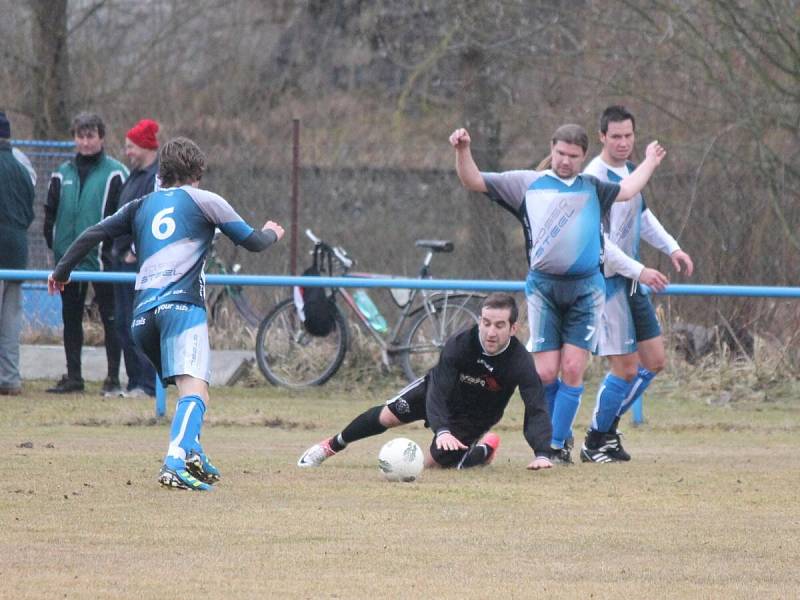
x=172 y=231
x=462 y=397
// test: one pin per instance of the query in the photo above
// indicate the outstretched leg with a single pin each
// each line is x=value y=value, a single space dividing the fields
x=405 y=407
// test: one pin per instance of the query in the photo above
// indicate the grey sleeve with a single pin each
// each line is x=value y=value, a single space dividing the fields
x=259 y=240
x=216 y=209
x=508 y=188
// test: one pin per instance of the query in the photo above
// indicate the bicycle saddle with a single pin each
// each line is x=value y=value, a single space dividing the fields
x=436 y=245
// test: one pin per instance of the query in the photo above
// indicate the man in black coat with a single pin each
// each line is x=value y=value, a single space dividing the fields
x=141 y=150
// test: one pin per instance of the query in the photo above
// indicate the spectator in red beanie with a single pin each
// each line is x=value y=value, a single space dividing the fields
x=141 y=150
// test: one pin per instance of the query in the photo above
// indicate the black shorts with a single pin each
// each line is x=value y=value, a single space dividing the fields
x=409 y=406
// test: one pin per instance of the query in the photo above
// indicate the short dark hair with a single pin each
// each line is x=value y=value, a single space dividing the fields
x=87 y=121
x=572 y=134
x=616 y=113
x=502 y=300
x=180 y=161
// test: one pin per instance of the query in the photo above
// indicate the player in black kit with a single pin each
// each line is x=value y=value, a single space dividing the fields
x=462 y=397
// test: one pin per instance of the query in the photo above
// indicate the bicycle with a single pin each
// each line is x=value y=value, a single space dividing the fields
x=217 y=296
x=289 y=356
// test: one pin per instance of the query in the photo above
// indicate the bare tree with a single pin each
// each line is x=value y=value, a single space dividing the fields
x=50 y=68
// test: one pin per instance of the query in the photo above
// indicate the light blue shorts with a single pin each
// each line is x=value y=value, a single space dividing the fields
x=174 y=336
x=628 y=318
x=564 y=310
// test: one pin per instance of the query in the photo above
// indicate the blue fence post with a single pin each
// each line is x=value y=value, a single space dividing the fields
x=637 y=412
x=161 y=398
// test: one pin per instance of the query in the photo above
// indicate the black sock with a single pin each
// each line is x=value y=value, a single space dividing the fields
x=594 y=438
x=364 y=425
x=476 y=456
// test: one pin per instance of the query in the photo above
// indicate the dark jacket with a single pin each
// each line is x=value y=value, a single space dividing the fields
x=140 y=183
x=468 y=390
x=16 y=209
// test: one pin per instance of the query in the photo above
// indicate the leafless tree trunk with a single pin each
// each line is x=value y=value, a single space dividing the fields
x=51 y=68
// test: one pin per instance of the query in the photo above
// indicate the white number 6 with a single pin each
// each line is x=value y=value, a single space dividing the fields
x=163 y=226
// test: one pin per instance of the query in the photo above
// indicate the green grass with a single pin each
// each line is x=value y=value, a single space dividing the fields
x=707 y=508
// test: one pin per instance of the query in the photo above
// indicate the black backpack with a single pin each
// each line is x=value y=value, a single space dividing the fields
x=315 y=305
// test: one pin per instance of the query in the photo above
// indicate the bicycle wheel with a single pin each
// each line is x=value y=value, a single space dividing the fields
x=291 y=357
x=430 y=331
x=246 y=309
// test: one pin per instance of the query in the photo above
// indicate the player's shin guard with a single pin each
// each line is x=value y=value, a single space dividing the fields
x=637 y=388
x=610 y=396
x=364 y=425
x=185 y=431
x=568 y=399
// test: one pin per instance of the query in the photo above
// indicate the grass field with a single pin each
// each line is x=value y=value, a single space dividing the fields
x=707 y=509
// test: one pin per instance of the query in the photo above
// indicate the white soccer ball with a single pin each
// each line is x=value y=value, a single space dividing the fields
x=401 y=459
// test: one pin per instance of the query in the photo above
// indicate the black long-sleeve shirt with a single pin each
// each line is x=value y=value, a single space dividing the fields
x=468 y=390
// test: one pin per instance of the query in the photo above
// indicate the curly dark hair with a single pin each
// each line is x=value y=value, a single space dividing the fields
x=180 y=161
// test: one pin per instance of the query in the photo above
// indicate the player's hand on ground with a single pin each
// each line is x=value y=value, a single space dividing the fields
x=653 y=279
x=447 y=441
x=273 y=226
x=679 y=257
x=540 y=462
x=54 y=286
x=460 y=139
x=655 y=151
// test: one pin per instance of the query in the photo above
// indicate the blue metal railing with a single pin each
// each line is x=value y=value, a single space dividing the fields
x=752 y=291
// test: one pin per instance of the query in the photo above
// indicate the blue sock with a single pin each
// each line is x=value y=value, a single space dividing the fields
x=185 y=431
x=568 y=399
x=638 y=386
x=550 y=391
x=610 y=396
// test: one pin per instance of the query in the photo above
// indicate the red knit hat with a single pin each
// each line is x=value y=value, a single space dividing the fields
x=143 y=134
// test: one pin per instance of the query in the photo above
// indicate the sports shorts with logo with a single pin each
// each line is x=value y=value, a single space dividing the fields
x=174 y=336
x=564 y=310
x=617 y=334
x=628 y=318
x=409 y=406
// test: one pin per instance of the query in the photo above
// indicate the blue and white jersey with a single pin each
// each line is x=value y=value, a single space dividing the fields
x=172 y=232
x=629 y=222
x=625 y=219
x=561 y=218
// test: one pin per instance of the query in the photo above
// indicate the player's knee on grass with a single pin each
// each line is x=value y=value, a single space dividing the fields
x=446 y=459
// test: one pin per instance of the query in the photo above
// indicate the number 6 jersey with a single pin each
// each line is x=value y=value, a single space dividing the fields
x=172 y=231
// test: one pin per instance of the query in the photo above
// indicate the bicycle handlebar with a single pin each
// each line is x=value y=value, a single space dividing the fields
x=339 y=252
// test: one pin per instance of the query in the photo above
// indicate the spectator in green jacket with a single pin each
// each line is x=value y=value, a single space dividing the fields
x=82 y=192
x=16 y=215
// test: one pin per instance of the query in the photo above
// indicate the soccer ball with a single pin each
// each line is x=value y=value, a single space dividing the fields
x=400 y=459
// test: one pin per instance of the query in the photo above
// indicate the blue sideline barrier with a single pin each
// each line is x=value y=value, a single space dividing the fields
x=752 y=291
